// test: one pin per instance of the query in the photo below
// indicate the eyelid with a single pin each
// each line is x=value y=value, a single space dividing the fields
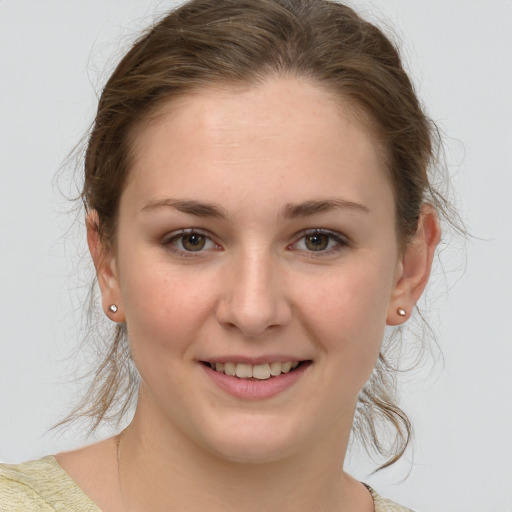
x=168 y=238
x=342 y=241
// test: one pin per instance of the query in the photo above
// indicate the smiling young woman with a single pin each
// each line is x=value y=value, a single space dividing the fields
x=258 y=210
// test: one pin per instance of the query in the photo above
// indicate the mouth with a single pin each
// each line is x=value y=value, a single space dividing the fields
x=264 y=371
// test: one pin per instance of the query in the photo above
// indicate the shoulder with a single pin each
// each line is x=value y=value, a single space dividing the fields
x=384 y=505
x=17 y=490
x=42 y=486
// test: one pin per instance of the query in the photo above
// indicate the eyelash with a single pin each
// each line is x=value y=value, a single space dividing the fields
x=175 y=236
x=339 y=240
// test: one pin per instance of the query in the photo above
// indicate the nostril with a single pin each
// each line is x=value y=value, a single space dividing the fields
x=253 y=309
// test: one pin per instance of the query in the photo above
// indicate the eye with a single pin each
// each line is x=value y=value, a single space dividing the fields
x=319 y=240
x=192 y=242
x=189 y=241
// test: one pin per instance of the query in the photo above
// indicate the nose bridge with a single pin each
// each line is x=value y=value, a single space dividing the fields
x=254 y=299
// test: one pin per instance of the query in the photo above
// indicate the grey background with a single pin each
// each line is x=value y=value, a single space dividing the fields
x=55 y=54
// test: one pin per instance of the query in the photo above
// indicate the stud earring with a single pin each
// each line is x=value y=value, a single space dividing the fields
x=401 y=312
x=112 y=308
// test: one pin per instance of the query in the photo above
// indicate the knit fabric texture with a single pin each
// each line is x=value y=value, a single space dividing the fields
x=43 y=486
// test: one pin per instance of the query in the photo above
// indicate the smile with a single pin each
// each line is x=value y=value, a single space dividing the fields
x=258 y=371
x=255 y=381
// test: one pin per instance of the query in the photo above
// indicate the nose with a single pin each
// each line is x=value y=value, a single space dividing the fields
x=254 y=296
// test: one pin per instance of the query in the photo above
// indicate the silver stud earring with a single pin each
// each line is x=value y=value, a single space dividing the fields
x=112 y=308
x=401 y=312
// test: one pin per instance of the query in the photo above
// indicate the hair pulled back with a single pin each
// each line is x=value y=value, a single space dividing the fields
x=243 y=42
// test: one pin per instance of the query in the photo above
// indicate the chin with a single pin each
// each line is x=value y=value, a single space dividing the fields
x=253 y=453
x=252 y=443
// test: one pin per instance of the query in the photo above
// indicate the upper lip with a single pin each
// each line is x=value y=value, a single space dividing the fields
x=254 y=360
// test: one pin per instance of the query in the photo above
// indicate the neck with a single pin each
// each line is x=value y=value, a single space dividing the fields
x=160 y=468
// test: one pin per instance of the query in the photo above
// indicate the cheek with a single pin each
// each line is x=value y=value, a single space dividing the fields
x=164 y=308
x=347 y=310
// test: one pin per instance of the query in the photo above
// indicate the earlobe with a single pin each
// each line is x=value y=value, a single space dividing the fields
x=106 y=271
x=414 y=267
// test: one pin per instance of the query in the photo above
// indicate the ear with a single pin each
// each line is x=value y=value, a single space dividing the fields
x=414 y=267
x=106 y=270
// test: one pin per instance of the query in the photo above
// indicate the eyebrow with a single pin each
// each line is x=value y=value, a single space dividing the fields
x=289 y=212
x=197 y=208
x=309 y=208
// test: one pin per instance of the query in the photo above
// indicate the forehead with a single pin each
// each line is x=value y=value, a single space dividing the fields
x=283 y=131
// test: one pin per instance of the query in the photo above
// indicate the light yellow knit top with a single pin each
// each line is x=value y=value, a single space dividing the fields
x=43 y=486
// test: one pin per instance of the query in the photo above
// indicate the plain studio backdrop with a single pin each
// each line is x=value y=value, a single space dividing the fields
x=54 y=58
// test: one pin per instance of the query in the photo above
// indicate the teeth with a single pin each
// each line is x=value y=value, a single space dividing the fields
x=261 y=371
x=258 y=371
x=230 y=369
x=275 y=369
x=286 y=367
x=244 y=371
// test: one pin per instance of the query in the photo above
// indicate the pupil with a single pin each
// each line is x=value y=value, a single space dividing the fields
x=317 y=242
x=193 y=242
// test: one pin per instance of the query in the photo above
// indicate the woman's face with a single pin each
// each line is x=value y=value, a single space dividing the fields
x=256 y=230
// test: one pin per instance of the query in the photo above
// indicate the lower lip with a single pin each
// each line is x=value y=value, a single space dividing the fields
x=253 y=389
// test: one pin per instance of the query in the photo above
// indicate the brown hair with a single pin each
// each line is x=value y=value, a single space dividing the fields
x=230 y=42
